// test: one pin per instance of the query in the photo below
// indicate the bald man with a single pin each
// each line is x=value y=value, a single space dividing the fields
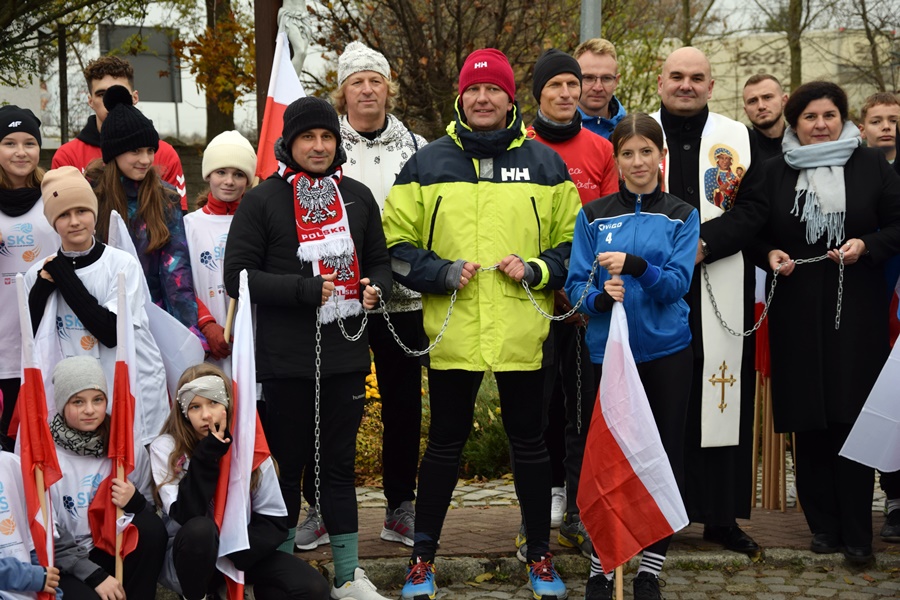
x=718 y=434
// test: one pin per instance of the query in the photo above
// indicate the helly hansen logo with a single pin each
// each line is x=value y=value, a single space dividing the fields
x=515 y=174
x=15 y=124
x=480 y=65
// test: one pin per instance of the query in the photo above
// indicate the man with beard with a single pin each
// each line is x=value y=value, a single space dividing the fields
x=764 y=104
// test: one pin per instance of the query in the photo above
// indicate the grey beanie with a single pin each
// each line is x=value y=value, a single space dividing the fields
x=75 y=374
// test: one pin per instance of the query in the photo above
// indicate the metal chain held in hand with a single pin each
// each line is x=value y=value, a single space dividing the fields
x=316 y=469
x=437 y=339
x=575 y=306
x=765 y=312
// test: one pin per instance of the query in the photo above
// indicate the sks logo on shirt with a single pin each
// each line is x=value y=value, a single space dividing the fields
x=211 y=259
x=4 y=503
x=20 y=237
x=82 y=499
x=68 y=327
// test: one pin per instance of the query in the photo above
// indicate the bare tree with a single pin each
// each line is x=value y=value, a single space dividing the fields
x=876 y=60
x=794 y=18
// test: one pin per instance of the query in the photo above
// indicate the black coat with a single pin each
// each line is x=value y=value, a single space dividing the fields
x=821 y=375
x=263 y=240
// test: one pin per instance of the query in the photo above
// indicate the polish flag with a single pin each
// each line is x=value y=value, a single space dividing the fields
x=106 y=520
x=627 y=495
x=284 y=88
x=231 y=504
x=178 y=345
x=40 y=467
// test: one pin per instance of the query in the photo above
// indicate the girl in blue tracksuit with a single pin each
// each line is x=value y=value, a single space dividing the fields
x=645 y=241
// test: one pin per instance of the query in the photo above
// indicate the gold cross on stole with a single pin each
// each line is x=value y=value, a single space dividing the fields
x=730 y=380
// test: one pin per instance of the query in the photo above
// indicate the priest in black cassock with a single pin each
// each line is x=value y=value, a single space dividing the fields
x=719 y=428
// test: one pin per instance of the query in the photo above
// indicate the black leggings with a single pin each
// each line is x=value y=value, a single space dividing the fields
x=280 y=576
x=452 y=394
x=140 y=568
x=667 y=383
x=10 y=389
x=290 y=431
x=400 y=385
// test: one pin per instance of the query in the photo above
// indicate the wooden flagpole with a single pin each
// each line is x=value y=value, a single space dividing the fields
x=229 y=319
x=620 y=592
x=120 y=569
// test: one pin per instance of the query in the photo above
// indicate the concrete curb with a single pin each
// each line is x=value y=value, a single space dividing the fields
x=388 y=573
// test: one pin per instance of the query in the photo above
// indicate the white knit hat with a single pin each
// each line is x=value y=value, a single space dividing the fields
x=229 y=149
x=359 y=57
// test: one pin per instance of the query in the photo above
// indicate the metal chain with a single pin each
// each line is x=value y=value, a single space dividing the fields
x=575 y=306
x=316 y=468
x=579 y=332
x=765 y=312
x=410 y=352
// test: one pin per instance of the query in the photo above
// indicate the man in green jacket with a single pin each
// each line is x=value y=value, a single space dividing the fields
x=482 y=211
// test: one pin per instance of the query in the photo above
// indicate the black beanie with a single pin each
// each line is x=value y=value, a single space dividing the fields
x=125 y=127
x=14 y=120
x=308 y=113
x=550 y=64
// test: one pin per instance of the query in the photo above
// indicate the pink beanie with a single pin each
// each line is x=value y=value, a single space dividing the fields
x=488 y=65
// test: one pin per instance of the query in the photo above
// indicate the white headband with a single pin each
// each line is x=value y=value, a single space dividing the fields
x=208 y=386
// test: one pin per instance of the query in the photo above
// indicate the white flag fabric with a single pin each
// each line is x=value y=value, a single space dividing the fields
x=233 y=501
x=178 y=345
x=875 y=438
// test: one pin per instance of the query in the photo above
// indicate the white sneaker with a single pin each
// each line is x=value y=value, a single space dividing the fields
x=557 y=506
x=358 y=589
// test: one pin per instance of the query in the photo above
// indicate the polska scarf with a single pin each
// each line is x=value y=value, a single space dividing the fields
x=323 y=236
x=83 y=443
x=821 y=178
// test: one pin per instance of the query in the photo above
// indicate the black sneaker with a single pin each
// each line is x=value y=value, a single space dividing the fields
x=646 y=586
x=890 y=531
x=598 y=588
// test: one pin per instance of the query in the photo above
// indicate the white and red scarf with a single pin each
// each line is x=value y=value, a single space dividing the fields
x=323 y=236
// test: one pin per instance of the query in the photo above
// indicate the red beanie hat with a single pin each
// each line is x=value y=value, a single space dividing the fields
x=488 y=65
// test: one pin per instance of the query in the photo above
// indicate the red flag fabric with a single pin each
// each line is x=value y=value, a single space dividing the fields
x=231 y=505
x=38 y=452
x=102 y=512
x=627 y=494
x=284 y=88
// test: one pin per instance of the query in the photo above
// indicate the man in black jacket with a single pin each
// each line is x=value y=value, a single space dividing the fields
x=314 y=250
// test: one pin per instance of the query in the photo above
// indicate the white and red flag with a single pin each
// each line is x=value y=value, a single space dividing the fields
x=874 y=440
x=105 y=519
x=231 y=504
x=40 y=467
x=284 y=88
x=627 y=495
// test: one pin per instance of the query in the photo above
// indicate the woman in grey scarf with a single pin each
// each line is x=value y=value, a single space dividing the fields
x=829 y=199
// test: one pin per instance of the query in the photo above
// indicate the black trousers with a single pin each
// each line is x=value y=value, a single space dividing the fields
x=400 y=385
x=667 y=383
x=10 y=389
x=890 y=484
x=567 y=417
x=280 y=576
x=835 y=492
x=140 y=568
x=290 y=431
x=452 y=394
